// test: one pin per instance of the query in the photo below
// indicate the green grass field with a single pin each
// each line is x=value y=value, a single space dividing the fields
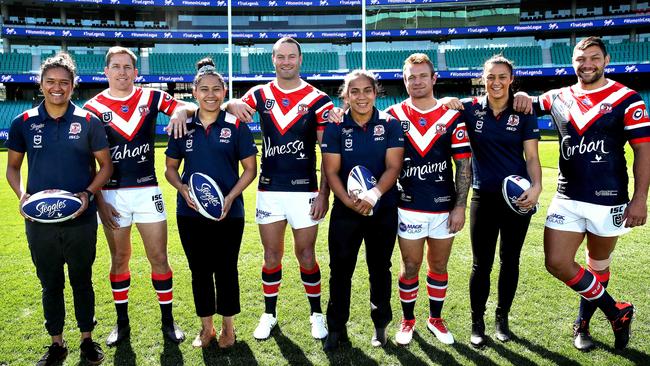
x=541 y=317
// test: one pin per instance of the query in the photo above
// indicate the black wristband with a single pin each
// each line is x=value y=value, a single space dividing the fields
x=90 y=194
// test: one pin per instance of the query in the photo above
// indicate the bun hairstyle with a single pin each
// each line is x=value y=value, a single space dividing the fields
x=205 y=66
x=62 y=60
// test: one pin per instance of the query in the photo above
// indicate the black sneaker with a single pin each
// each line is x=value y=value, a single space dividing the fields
x=173 y=332
x=117 y=335
x=55 y=354
x=335 y=340
x=581 y=337
x=502 y=330
x=91 y=351
x=379 y=338
x=621 y=324
x=478 y=338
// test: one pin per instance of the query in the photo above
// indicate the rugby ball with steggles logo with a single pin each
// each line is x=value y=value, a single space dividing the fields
x=206 y=195
x=51 y=206
x=360 y=181
x=514 y=186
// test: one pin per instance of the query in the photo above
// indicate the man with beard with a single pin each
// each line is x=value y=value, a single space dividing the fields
x=594 y=119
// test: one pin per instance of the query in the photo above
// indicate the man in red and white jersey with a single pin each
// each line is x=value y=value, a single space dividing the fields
x=595 y=118
x=292 y=116
x=132 y=195
x=432 y=203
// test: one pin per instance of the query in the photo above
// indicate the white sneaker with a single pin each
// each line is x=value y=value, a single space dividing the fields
x=438 y=327
x=267 y=323
x=405 y=333
x=318 y=329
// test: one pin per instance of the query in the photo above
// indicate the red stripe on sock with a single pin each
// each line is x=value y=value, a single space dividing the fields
x=407 y=296
x=602 y=277
x=312 y=290
x=161 y=276
x=438 y=277
x=271 y=270
x=165 y=296
x=271 y=289
x=440 y=293
x=120 y=295
x=310 y=271
x=576 y=278
x=119 y=277
x=595 y=291
x=408 y=281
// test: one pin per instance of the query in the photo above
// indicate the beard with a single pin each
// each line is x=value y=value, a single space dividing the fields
x=590 y=79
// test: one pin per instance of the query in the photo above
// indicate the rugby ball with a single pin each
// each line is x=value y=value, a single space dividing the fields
x=360 y=181
x=206 y=195
x=513 y=186
x=51 y=206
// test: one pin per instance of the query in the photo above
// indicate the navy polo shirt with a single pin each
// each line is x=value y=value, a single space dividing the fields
x=365 y=146
x=497 y=142
x=59 y=151
x=216 y=152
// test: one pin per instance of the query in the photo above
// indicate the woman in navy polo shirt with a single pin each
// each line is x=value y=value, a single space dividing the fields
x=216 y=142
x=373 y=139
x=503 y=142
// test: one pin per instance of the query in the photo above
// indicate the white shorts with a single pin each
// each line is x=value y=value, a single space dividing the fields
x=581 y=217
x=417 y=225
x=291 y=206
x=136 y=205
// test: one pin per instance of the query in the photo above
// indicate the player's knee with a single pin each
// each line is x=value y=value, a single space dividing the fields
x=272 y=259
x=159 y=260
x=554 y=265
x=439 y=266
x=120 y=258
x=411 y=268
x=306 y=257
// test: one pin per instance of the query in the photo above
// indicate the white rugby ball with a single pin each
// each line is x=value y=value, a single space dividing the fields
x=360 y=181
x=51 y=206
x=513 y=186
x=206 y=195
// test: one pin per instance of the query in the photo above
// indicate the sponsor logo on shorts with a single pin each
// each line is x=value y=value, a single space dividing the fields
x=158 y=202
x=617 y=215
x=410 y=228
x=555 y=219
x=261 y=214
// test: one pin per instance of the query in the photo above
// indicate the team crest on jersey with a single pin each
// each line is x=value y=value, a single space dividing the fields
x=479 y=124
x=143 y=109
x=406 y=126
x=460 y=134
x=348 y=143
x=38 y=139
x=269 y=104
x=302 y=108
x=422 y=121
x=124 y=108
x=107 y=117
x=225 y=133
x=638 y=114
x=586 y=101
x=188 y=144
x=379 y=130
x=513 y=120
x=441 y=129
x=605 y=108
x=285 y=102
x=75 y=128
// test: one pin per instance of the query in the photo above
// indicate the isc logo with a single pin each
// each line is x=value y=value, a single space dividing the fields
x=616 y=210
x=156 y=197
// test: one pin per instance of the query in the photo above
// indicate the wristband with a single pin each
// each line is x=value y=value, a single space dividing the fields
x=90 y=194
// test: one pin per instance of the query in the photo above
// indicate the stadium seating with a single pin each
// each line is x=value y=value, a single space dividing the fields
x=475 y=57
x=261 y=63
x=87 y=63
x=389 y=59
x=625 y=52
x=561 y=54
x=15 y=63
x=10 y=109
x=184 y=63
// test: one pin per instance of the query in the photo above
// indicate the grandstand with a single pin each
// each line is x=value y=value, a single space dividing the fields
x=537 y=36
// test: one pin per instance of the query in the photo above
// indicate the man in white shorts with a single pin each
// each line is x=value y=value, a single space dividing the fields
x=292 y=115
x=132 y=195
x=594 y=118
x=432 y=203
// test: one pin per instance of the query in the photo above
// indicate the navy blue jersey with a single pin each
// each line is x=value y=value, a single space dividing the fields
x=216 y=152
x=289 y=120
x=497 y=142
x=130 y=124
x=365 y=146
x=593 y=127
x=59 y=151
x=433 y=137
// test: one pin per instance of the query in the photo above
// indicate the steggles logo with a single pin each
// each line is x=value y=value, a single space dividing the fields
x=45 y=210
x=207 y=196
